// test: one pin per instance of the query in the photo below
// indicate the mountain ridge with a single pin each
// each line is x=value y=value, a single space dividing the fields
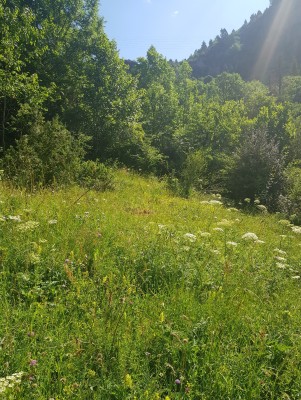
x=265 y=48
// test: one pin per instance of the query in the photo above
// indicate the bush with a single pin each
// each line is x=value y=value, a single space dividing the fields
x=48 y=155
x=256 y=170
x=94 y=175
x=194 y=172
x=291 y=202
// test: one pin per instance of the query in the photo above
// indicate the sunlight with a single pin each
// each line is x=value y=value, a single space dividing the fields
x=272 y=39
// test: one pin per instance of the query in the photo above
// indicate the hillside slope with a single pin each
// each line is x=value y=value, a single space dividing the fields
x=134 y=293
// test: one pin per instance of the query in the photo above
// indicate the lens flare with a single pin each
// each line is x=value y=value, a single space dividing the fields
x=271 y=41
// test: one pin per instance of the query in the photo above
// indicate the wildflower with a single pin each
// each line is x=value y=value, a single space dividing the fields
x=262 y=208
x=296 y=229
x=280 y=265
x=15 y=218
x=225 y=223
x=10 y=381
x=215 y=202
x=177 y=382
x=190 y=236
x=257 y=201
x=250 y=236
x=280 y=258
x=215 y=251
x=28 y=226
x=280 y=251
x=205 y=234
x=234 y=244
x=259 y=241
x=232 y=209
x=247 y=200
x=52 y=221
x=218 y=229
x=33 y=363
x=296 y=277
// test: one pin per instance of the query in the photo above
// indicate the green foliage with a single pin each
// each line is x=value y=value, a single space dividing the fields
x=194 y=172
x=94 y=175
x=291 y=203
x=48 y=155
x=256 y=170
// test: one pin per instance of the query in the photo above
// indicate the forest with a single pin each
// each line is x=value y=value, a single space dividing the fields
x=70 y=106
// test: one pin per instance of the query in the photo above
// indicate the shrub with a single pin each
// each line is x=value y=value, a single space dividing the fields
x=256 y=170
x=94 y=175
x=48 y=155
x=291 y=202
x=194 y=172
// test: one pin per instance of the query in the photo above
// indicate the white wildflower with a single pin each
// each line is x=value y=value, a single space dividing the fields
x=190 y=236
x=28 y=226
x=278 y=258
x=280 y=265
x=280 y=251
x=161 y=226
x=214 y=251
x=296 y=229
x=234 y=244
x=233 y=209
x=215 y=202
x=257 y=201
x=262 y=208
x=205 y=234
x=250 y=236
x=52 y=221
x=218 y=229
x=15 y=218
x=259 y=241
x=10 y=381
x=296 y=277
x=225 y=223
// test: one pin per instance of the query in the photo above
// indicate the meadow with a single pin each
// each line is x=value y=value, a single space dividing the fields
x=135 y=293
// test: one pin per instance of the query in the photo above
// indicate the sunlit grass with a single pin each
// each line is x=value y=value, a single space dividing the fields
x=134 y=293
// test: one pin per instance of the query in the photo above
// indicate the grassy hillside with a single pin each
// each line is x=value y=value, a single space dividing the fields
x=136 y=294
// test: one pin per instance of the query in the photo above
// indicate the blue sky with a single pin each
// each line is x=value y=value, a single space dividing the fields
x=175 y=27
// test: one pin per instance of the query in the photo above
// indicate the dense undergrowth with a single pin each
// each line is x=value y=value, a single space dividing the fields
x=136 y=294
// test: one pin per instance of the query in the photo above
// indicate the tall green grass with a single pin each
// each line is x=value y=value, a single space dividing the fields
x=136 y=294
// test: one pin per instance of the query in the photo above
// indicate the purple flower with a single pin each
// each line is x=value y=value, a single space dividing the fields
x=33 y=363
x=177 y=382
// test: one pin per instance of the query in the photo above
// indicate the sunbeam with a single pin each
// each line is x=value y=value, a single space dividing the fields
x=272 y=39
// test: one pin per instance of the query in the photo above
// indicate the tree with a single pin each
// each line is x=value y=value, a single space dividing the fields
x=21 y=94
